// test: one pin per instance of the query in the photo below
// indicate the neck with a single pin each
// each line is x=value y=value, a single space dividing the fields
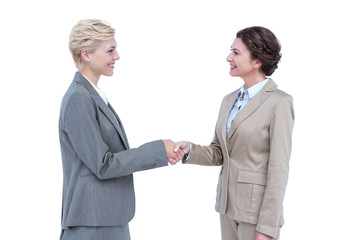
x=90 y=75
x=253 y=80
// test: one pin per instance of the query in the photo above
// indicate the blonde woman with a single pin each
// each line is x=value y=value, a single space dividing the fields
x=98 y=163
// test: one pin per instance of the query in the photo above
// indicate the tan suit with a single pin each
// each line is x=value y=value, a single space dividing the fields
x=254 y=158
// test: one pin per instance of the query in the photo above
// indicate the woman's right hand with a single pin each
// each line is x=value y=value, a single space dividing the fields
x=184 y=146
x=173 y=156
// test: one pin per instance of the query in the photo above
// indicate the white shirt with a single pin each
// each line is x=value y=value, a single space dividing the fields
x=98 y=90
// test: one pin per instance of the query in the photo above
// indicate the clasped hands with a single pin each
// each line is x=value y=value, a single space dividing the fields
x=176 y=151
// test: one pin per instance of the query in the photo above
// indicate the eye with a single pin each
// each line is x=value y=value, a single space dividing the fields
x=235 y=51
x=111 y=50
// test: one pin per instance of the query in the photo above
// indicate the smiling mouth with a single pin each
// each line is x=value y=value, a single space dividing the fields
x=111 y=65
x=232 y=67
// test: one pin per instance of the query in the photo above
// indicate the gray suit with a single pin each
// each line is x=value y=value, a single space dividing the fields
x=98 y=163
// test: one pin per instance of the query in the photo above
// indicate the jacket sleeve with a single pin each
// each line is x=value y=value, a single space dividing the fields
x=81 y=127
x=206 y=155
x=280 y=131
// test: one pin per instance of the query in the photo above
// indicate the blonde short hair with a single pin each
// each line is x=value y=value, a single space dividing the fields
x=86 y=35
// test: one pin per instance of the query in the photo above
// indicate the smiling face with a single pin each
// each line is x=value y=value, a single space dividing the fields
x=241 y=63
x=101 y=61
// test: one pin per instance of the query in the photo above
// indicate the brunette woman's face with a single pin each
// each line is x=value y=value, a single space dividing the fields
x=241 y=64
x=103 y=59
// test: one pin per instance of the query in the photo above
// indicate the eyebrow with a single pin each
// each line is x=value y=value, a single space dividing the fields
x=110 y=48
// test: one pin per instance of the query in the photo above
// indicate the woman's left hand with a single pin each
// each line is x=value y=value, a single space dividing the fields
x=261 y=236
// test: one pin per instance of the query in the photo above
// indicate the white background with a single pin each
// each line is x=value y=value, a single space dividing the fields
x=169 y=83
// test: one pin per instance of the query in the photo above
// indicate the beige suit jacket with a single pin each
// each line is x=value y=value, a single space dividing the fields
x=254 y=158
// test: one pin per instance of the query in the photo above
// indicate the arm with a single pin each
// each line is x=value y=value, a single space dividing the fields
x=202 y=155
x=82 y=130
x=280 y=131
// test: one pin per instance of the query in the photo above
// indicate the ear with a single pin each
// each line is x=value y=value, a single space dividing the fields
x=85 y=55
x=257 y=63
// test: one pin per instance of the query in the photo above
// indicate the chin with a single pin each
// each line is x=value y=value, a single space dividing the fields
x=234 y=74
x=109 y=74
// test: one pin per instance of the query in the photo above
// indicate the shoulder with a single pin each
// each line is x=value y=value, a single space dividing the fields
x=280 y=95
x=283 y=98
x=282 y=104
x=77 y=90
x=276 y=95
x=77 y=99
x=278 y=101
x=231 y=95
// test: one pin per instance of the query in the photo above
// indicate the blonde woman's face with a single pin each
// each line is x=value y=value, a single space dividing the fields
x=102 y=61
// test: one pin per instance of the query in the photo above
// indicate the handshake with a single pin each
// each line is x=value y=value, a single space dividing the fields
x=176 y=151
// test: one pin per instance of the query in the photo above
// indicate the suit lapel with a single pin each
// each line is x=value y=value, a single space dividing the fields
x=252 y=105
x=106 y=109
x=122 y=130
x=224 y=114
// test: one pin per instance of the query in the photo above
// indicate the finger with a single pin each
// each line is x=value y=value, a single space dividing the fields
x=172 y=161
x=181 y=152
x=174 y=155
x=177 y=146
x=176 y=158
x=180 y=156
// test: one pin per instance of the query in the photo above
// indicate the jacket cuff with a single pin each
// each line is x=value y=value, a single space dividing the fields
x=270 y=231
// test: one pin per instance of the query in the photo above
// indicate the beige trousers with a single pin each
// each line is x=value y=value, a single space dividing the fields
x=235 y=230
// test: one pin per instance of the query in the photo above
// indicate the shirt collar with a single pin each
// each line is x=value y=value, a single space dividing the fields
x=251 y=92
x=98 y=90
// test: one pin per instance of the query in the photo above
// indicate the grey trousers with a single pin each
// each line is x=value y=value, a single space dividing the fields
x=235 y=230
x=96 y=233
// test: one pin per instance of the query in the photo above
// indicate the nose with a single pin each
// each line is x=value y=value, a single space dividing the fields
x=116 y=57
x=229 y=58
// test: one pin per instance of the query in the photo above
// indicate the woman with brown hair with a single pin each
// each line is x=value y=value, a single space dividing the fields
x=252 y=142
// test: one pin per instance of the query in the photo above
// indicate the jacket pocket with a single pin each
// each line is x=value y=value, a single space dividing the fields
x=250 y=190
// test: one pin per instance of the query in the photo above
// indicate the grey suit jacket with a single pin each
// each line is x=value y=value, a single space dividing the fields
x=254 y=157
x=97 y=160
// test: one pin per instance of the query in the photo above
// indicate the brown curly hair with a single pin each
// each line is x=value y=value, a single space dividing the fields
x=263 y=45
